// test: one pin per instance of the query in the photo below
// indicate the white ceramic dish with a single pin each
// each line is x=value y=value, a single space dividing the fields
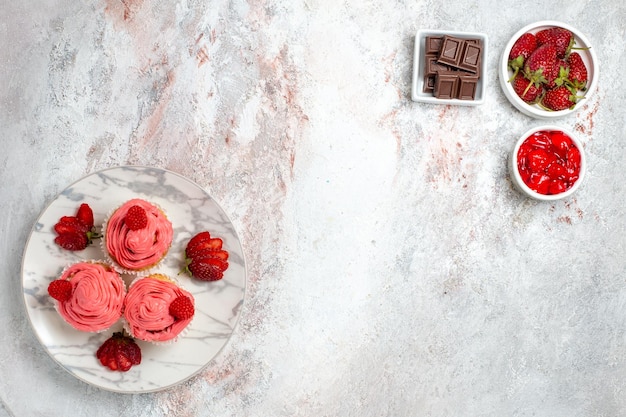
x=218 y=304
x=533 y=110
x=417 y=89
x=525 y=189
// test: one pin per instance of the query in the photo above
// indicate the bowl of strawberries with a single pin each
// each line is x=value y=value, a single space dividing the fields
x=548 y=70
x=548 y=163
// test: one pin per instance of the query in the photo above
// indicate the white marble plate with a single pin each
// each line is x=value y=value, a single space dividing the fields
x=218 y=304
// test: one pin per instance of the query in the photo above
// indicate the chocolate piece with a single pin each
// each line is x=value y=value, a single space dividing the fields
x=470 y=58
x=451 y=50
x=455 y=84
x=460 y=53
x=433 y=45
x=446 y=85
x=467 y=87
x=433 y=66
x=429 y=83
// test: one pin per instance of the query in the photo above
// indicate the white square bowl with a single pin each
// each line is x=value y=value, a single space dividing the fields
x=417 y=89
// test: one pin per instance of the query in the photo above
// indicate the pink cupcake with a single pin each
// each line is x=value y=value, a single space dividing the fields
x=157 y=310
x=89 y=296
x=136 y=236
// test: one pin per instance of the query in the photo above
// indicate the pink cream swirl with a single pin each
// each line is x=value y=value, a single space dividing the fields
x=138 y=249
x=146 y=309
x=97 y=298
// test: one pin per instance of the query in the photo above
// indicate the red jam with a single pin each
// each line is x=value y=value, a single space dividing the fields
x=549 y=162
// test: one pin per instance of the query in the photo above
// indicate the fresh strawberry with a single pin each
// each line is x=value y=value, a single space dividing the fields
x=539 y=66
x=206 y=269
x=182 y=308
x=136 y=218
x=204 y=257
x=76 y=232
x=198 y=238
x=70 y=224
x=527 y=90
x=577 y=77
x=559 y=74
x=520 y=51
x=203 y=247
x=119 y=352
x=561 y=38
x=560 y=98
x=218 y=254
x=72 y=241
x=220 y=264
x=60 y=289
x=85 y=214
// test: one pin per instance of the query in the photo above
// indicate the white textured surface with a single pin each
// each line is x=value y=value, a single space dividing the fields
x=393 y=270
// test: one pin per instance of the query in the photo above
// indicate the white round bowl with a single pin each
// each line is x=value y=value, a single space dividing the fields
x=519 y=182
x=534 y=110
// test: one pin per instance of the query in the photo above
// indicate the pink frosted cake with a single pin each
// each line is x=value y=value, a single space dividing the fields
x=156 y=309
x=94 y=300
x=135 y=244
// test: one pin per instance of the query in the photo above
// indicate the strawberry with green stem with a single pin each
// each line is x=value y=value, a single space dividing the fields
x=520 y=51
x=205 y=258
x=559 y=98
x=577 y=76
x=76 y=232
x=530 y=94
x=539 y=67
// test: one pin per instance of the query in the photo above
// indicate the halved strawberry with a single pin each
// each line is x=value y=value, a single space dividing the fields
x=201 y=248
x=70 y=224
x=198 y=238
x=76 y=232
x=219 y=254
x=206 y=269
x=119 y=352
x=207 y=252
x=72 y=241
x=85 y=214
x=204 y=257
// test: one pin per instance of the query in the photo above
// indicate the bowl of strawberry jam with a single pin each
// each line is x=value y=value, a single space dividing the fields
x=548 y=163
